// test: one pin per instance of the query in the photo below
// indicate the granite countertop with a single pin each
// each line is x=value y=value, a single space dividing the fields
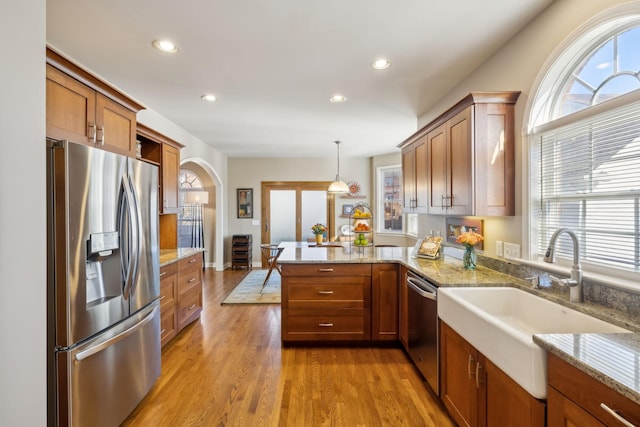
x=610 y=358
x=167 y=256
x=444 y=271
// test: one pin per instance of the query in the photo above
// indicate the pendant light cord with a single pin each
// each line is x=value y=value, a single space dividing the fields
x=338 y=174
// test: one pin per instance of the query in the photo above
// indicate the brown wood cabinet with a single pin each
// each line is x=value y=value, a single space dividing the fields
x=385 y=302
x=470 y=157
x=189 y=289
x=414 y=176
x=170 y=173
x=450 y=156
x=168 y=299
x=81 y=108
x=326 y=302
x=576 y=399
x=180 y=295
x=478 y=393
x=164 y=152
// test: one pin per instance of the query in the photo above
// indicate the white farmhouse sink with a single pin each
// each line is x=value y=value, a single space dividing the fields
x=500 y=322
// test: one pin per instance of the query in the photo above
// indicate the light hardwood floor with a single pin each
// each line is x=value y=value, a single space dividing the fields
x=230 y=369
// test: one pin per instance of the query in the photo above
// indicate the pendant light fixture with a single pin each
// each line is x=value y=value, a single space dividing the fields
x=338 y=186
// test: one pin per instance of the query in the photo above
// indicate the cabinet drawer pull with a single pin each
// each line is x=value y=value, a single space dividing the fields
x=192 y=307
x=100 y=140
x=325 y=292
x=478 y=367
x=162 y=297
x=325 y=270
x=616 y=415
x=92 y=132
x=162 y=332
x=325 y=325
x=469 y=362
x=162 y=273
x=192 y=261
x=193 y=279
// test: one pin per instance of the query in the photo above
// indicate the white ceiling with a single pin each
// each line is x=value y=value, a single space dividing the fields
x=274 y=64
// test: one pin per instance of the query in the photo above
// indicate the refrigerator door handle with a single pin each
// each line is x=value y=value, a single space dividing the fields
x=130 y=271
x=111 y=341
x=136 y=222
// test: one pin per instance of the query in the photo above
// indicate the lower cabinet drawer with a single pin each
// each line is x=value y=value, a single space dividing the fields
x=168 y=324
x=341 y=295
x=332 y=327
x=189 y=306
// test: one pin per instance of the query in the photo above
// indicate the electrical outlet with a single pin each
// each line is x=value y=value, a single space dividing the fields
x=511 y=250
x=499 y=248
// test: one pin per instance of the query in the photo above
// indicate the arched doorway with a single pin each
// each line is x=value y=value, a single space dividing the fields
x=211 y=212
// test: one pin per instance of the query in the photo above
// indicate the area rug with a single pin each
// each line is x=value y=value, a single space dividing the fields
x=250 y=290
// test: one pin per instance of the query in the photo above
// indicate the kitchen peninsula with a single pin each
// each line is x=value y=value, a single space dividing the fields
x=349 y=294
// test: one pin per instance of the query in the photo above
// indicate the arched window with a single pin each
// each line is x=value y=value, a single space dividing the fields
x=585 y=148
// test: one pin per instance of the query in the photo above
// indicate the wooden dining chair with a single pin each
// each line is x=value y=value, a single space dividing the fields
x=271 y=252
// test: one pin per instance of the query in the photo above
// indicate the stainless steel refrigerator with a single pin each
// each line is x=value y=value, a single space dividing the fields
x=103 y=284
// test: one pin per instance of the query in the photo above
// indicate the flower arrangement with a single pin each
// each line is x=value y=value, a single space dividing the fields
x=318 y=228
x=469 y=238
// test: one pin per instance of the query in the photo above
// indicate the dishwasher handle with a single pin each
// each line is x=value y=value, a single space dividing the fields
x=431 y=292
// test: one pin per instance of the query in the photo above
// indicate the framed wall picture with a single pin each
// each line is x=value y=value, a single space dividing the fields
x=347 y=209
x=245 y=202
x=457 y=226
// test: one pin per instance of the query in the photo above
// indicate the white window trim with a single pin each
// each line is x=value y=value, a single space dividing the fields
x=547 y=82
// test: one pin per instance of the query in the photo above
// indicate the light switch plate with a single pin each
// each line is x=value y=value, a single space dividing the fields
x=511 y=250
x=255 y=222
x=499 y=248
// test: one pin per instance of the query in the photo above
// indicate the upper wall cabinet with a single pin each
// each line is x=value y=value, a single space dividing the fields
x=164 y=152
x=84 y=109
x=414 y=175
x=470 y=160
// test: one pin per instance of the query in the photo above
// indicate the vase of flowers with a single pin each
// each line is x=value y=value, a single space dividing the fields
x=318 y=230
x=469 y=239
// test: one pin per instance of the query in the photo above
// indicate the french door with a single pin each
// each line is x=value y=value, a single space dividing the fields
x=289 y=209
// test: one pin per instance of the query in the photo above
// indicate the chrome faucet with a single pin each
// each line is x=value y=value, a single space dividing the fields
x=576 y=293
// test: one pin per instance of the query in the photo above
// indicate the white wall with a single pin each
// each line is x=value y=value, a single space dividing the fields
x=516 y=66
x=250 y=172
x=22 y=215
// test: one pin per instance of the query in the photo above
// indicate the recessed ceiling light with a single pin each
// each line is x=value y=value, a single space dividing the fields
x=337 y=99
x=165 y=46
x=209 y=97
x=381 y=64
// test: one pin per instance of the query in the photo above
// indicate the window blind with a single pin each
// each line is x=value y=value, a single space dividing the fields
x=589 y=181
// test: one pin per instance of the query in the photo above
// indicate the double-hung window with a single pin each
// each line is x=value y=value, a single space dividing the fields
x=585 y=152
x=390 y=199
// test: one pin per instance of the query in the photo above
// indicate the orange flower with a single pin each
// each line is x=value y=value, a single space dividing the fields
x=469 y=238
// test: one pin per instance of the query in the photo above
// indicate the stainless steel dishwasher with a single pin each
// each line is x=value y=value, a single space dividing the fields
x=423 y=328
